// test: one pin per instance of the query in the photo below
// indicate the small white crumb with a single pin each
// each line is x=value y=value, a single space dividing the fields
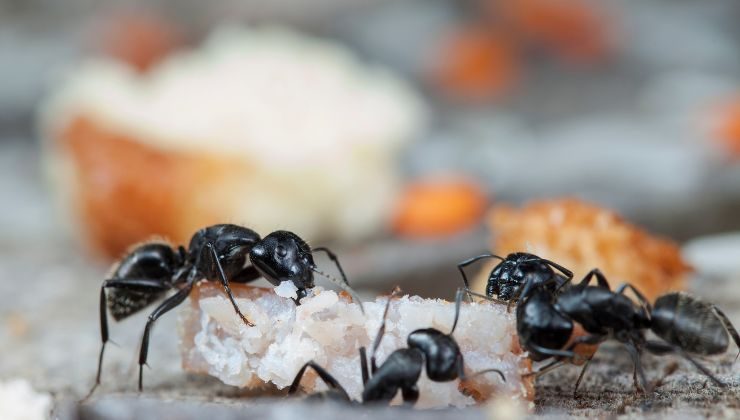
x=286 y=289
x=18 y=401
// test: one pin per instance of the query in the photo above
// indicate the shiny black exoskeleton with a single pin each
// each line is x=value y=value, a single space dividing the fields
x=545 y=322
x=225 y=253
x=518 y=274
x=429 y=347
x=688 y=324
x=685 y=323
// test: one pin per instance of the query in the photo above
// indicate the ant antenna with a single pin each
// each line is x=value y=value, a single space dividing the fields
x=482 y=372
x=470 y=261
x=342 y=286
x=381 y=330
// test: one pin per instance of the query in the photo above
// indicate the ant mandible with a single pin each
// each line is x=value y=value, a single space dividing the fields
x=428 y=347
x=227 y=252
x=515 y=277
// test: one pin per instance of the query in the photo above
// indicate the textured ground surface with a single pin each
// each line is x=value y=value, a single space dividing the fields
x=49 y=334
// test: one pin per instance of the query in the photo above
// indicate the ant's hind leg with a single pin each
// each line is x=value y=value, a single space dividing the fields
x=166 y=306
x=730 y=328
x=659 y=348
x=143 y=285
x=323 y=374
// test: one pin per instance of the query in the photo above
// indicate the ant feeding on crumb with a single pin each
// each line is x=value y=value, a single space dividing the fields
x=686 y=325
x=227 y=252
x=427 y=348
x=517 y=275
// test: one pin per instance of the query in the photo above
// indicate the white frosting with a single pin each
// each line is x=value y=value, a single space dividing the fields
x=269 y=94
x=316 y=132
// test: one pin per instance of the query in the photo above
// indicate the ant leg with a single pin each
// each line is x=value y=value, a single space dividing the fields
x=730 y=328
x=335 y=260
x=553 y=352
x=544 y=369
x=323 y=374
x=644 y=303
x=363 y=366
x=469 y=261
x=635 y=355
x=131 y=284
x=410 y=395
x=482 y=296
x=659 y=348
x=162 y=309
x=225 y=283
x=580 y=376
x=600 y=279
x=381 y=330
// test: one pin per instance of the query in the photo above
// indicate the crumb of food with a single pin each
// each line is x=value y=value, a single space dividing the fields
x=17 y=324
x=438 y=207
x=474 y=63
x=248 y=120
x=724 y=125
x=286 y=289
x=330 y=329
x=582 y=236
x=19 y=401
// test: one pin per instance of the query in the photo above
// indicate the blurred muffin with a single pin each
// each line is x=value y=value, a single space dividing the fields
x=261 y=127
x=583 y=236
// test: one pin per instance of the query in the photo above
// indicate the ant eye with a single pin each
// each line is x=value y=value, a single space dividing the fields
x=281 y=251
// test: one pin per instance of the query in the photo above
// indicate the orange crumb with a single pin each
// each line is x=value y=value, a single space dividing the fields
x=438 y=207
x=475 y=64
x=726 y=125
x=582 y=236
x=574 y=29
x=140 y=40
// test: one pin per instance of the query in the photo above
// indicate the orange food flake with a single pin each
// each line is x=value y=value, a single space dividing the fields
x=430 y=208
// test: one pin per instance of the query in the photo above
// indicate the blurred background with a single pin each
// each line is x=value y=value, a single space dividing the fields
x=384 y=129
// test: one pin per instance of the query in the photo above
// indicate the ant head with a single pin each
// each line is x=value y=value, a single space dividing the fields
x=283 y=256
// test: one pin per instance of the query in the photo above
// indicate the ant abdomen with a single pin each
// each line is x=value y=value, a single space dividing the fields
x=689 y=323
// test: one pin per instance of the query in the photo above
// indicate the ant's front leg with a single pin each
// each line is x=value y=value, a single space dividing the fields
x=225 y=283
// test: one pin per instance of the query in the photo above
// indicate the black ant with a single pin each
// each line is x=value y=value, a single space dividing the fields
x=545 y=324
x=429 y=347
x=688 y=324
x=515 y=277
x=230 y=253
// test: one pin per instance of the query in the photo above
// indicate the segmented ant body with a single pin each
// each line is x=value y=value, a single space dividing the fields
x=517 y=275
x=427 y=348
x=686 y=324
x=229 y=253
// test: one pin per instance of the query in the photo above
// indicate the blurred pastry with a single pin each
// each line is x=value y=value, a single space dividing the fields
x=262 y=127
